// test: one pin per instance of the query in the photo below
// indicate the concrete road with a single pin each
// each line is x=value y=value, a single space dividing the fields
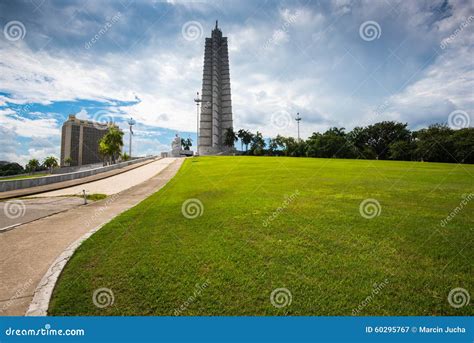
x=17 y=211
x=18 y=193
x=117 y=183
x=27 y=251
x=14 y=212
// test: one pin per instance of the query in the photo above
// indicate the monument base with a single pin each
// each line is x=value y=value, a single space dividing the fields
x=181 y=153
x=207 y=150
x=186 y=152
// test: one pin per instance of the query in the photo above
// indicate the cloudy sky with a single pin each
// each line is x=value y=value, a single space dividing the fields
x=341 y=63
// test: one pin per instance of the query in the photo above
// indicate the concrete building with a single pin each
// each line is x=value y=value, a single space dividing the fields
x=216 y=105
x=80 y=141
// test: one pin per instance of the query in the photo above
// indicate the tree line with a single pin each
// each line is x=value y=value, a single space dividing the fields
x=110 y=150
x=387 y=140
x=33 y=165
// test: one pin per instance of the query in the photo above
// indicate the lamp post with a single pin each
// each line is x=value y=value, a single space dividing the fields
x=298 y=119
x=197 y=101
x=131 y=122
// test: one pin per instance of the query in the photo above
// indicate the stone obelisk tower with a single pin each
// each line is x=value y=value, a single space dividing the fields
x=216 y=105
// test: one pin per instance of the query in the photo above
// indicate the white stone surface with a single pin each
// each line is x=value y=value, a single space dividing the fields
x=117 y=183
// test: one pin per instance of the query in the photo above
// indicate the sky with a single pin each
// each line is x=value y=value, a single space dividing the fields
x=338 y=63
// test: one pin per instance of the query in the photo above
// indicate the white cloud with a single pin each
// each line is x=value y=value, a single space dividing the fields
x=306 y=59
x=82 y=114
x=43 y=128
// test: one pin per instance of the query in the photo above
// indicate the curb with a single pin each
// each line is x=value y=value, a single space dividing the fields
x=11 y=227
x=43 y=292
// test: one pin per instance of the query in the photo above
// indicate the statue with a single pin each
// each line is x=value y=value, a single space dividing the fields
x=176 y=146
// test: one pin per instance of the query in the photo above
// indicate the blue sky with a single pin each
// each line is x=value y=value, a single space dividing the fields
x=116 y=59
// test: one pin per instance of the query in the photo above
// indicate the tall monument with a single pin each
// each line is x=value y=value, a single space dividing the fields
x=216 y=105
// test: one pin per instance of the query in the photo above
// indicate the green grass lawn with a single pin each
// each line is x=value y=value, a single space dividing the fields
x=291 y=223
x=21 y=177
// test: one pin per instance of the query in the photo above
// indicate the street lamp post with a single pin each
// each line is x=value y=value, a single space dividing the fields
x=197 y=101
x=298 y=119
x=130 y=122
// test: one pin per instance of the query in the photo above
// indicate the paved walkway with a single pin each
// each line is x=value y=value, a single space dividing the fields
x=58 y=185
x=17 y=212
x=27 y=251
x=114 y=184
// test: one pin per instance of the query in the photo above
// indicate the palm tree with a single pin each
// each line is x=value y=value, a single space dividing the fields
x=258 y=144
x=111 y=144
x=288 y=144
x=247 y=139
x=104 y=150
x=241 y=135
x=272 y=145
x=124 y=157
x=32 y=165
x=68 y=161
x=50 y=162
x=230 y=137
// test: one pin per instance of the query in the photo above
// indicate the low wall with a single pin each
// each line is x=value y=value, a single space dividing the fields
x=64 y=170
x=11 y=185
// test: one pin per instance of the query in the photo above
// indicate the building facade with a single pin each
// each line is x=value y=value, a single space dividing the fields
x=80 y=141
x=216 y=105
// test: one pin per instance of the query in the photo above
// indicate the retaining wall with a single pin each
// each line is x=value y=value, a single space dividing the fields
x=11 y=185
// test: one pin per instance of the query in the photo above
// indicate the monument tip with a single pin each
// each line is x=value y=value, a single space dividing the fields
x=216 y=24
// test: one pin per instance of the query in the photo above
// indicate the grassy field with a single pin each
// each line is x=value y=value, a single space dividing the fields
x=294 y=223
x=21 y=177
